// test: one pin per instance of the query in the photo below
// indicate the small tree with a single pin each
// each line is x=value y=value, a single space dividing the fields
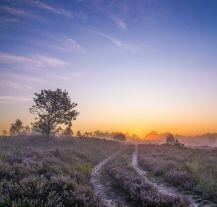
x=16 y=128
x=4 y=133
x=68 y=131
x=170 y=139
x=79 y=134
x=119 y=137
x=53 y=109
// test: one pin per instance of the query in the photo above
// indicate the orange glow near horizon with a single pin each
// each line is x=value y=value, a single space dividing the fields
x=155 y=71
x=132 y=125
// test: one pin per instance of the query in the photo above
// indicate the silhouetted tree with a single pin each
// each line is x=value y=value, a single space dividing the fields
x=119 y=137
x=68 y=131
x=4 y=133
x=26 y=130
x=53 y=108
x=79 y=134
x=16 y=128
x=170 y=139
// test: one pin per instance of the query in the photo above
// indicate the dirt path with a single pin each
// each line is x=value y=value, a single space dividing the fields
x=169 y=190
x=103 y=188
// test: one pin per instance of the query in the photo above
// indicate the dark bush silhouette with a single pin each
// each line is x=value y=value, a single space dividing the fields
x=68 y=131
x=53 y=108
x=79 y=134
x=4 y=133
x=170 y=139
x=119 y=137
x=16 y=128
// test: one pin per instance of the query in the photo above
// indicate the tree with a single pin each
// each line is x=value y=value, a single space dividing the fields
x=79 y=134
x=119 y=137
x=170 y=139
x=26 y=130
x=16 y=128
x=4 y=133
x=53 y=109
x=68 y=131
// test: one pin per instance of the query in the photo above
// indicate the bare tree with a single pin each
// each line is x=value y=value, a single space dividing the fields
x=53 y=109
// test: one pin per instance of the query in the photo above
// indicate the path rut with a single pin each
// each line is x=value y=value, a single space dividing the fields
x=103 y=191
x=169 y=190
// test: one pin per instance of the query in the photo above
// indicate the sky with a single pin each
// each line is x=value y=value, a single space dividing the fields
x=131 y=65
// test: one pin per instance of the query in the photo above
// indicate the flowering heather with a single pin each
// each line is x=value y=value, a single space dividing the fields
x=191 y=169
x=39 y=172
x=139 y=190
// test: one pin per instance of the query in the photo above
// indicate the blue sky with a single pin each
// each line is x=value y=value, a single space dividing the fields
x=131 y=65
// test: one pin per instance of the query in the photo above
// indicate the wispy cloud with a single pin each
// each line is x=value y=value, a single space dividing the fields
x=6 y=20
x=113 y=40
x=69 y=45
x=68 y=76
x=35 y=60
x=13 y=99
x=49 y=8
x=119 y=22
x=75 y=45
x=15 y=85
x=18 y=12
x=14 y=77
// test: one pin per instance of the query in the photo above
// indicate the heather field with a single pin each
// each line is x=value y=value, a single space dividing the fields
x=92 y=172
x=193 y=170
x=35 y=171
x=138 y=191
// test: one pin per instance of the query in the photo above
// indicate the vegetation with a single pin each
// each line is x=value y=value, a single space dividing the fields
x=190 y=169
x=137 y=189
x=35 y=171
x=53 y=109
x=119 y=137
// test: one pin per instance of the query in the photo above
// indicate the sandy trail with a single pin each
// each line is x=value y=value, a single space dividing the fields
x=107 y=196
x=169 y=190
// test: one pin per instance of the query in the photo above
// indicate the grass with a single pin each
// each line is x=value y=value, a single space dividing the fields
x=35 y=171
x=190 y=169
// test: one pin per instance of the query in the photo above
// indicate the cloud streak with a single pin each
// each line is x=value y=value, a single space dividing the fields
x=13 y=99
x=74 y=45
x=35 y=60
x=49 y=8
x=15 y=85
x=69 y=45
x=116 y=42
x=18 y=12
x=119 y=22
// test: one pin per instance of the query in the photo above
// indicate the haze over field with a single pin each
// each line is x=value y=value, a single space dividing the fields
x=132 y=66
